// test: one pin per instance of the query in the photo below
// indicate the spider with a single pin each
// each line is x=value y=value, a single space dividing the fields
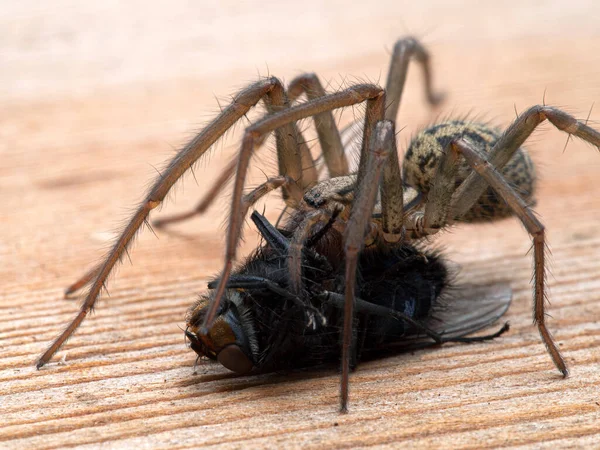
x=455 y=171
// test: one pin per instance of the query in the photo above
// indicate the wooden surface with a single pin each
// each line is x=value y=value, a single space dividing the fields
x=93 y=97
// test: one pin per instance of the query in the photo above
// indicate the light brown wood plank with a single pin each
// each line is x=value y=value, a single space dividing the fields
x=94 y=96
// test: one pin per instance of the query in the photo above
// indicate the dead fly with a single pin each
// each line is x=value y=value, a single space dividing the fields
x=455 y=171
x=404 y=301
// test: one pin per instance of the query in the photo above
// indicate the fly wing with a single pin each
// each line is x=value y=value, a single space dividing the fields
x=469 y=308
x=463 y=311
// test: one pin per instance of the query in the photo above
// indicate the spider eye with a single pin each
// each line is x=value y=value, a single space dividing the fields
x=233 y=358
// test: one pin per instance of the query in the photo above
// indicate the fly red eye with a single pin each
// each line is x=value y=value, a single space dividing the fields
x=233 y=358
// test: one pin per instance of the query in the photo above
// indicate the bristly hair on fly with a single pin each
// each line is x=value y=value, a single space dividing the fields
x=406 y=300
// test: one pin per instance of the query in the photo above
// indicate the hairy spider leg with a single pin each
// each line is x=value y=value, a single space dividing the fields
x=404 y=50
x=183 y=161
x=482 y=166
x=351 y=96
x=299 y=238
x=327 y=131
x=329 y=138
x=446 y=202
x=381 y=144
x=515 y=135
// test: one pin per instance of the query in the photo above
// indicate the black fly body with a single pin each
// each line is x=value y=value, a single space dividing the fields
x=405 y=301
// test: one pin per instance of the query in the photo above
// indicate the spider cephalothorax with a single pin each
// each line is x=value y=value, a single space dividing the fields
x=454 y=171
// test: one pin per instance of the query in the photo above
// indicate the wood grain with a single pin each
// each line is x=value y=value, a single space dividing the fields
x=95 y=96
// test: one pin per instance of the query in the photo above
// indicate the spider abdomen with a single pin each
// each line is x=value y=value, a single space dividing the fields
x=424 y=152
